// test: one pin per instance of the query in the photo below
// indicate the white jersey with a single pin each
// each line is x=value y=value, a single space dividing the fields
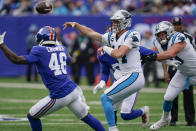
x=187 y=55
x=131 y=61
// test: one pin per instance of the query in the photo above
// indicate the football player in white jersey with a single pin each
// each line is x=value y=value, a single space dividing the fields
x=123 y=45
x=173 y=45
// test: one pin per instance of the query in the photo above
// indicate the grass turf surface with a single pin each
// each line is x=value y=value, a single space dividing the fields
x=16 y=102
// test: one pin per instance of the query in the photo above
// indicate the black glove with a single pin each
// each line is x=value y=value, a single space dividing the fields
x=148 y=58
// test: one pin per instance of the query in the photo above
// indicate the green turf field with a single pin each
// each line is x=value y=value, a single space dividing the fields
x=16 y=102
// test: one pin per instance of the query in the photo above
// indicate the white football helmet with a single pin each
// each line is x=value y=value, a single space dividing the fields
x=164 y=26
x=124 y=19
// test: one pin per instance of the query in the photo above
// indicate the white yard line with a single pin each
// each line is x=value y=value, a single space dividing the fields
x=18 y=100
x=71 y=115
x=41 y=86
x=11 y=100
x=81 y=123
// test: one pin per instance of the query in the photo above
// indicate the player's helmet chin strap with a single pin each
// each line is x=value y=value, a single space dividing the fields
x=163 y=42
x=120 y=26
x=47 y=43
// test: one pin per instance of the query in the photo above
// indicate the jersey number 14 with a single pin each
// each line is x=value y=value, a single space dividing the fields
x=59 y=68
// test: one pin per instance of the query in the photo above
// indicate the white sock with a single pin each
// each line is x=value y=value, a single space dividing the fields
x=166 y=115
x=142 y=110
x=113 y=128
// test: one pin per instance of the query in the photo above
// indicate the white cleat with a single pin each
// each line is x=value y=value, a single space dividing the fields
x=159 y=124
x=113 y=128
x=145 y=116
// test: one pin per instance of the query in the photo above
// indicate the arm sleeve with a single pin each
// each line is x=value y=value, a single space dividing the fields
x=145 y=51
x=132 y=40
x=105 y=72
x=105 y=38
x=34 y=55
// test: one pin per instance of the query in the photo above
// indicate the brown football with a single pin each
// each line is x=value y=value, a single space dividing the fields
x=44 y=7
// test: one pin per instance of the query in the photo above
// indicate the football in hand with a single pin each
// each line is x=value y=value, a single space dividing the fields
x=44 y=7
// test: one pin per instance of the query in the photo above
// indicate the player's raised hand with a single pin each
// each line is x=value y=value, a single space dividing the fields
x=99 y=86
x=2 y=38
x=69 y=24
x=100 y=51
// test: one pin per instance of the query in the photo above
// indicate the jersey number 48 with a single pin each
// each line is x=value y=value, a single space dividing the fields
x=54 y=63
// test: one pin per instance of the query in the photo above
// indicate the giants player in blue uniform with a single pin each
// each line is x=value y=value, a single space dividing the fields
x=127 y=109
x=51 y=61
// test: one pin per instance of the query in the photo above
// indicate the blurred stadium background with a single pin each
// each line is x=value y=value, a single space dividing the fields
x=18 y=92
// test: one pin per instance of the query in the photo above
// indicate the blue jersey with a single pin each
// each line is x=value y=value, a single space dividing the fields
x=51 y=62
x=107 y=62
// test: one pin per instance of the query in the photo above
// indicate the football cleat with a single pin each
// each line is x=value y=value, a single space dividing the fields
x=145 y=116
x=159 y=124
x=113 y=128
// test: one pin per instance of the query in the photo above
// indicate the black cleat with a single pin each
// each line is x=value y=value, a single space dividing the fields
x=191 y=123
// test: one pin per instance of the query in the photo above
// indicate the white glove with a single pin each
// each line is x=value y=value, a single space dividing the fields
x=99 y=86
x=2 y=38
x=174 y=63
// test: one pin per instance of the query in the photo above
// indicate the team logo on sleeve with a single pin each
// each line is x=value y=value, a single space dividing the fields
x=181 y=38
x=135 y=39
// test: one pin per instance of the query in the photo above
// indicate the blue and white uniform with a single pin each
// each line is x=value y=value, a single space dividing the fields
x=186 y=71
x=51 y=62
x=129 y=65
x=132 y=79
x=109 y=63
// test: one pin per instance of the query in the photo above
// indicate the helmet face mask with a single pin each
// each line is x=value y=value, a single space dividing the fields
x=46 y=36
x=162 y=28
x=162 y=38
x=123 y=18
x=115 y=26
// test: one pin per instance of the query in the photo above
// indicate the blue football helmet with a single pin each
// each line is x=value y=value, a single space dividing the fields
x=46 y=36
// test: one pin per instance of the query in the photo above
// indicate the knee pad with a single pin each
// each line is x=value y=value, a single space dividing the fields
x=168 y=97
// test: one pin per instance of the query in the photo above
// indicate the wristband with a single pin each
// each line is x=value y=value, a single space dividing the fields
x=108 y=50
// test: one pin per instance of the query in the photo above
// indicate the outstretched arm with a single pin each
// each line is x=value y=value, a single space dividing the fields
x=116 y=53
x=84 y=30
x=10 y=54
x=172 y=52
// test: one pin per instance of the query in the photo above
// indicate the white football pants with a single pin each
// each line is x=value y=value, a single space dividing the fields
x=124 y=88
x=75 y=101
